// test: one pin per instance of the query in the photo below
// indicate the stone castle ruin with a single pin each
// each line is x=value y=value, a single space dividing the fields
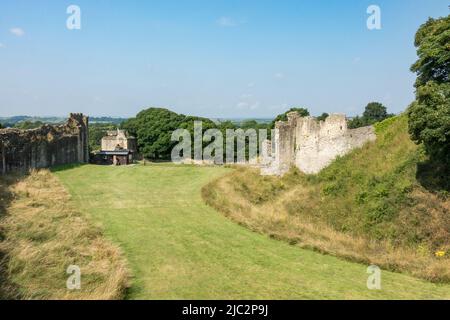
x=118 y=140
x=117 y=148
x=309 y=144
x=21 y=150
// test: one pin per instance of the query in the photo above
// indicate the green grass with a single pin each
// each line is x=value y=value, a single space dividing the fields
x=179 y=248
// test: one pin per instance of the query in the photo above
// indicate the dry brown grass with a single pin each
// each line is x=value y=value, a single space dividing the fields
x=366 y=207
x=42 y=234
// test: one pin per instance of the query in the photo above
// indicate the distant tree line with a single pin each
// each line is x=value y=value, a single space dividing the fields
x=153 y=127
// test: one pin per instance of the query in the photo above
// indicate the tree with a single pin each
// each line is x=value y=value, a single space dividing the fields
x=323 y=116
x=302 y=112
x=28 y=124
x=433 y=53
x=153 y=128
x=1 y=126
x=429 y=119
x=357 y=122
x=96 y=132
x=374 y=112
x=429 y=114
x=249 y=124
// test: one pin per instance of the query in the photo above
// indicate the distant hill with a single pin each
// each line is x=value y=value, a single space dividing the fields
x=11 y=121
x=239 y=121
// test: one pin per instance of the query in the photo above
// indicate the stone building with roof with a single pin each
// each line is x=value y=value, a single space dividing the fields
x=117 y=148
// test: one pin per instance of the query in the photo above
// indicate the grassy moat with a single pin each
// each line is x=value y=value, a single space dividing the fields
x=179 y=248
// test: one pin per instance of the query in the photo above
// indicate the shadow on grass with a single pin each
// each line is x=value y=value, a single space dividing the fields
x=64 y=167
x=8 y=290
x=434 y=176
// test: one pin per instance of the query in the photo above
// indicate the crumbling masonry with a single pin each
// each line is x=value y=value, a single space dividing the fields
x=309 y=144
x=21 y=150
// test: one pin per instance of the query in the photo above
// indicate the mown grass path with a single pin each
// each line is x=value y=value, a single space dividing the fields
x=179 y=248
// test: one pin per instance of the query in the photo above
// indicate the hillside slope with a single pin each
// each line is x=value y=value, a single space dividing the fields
x=367 y=206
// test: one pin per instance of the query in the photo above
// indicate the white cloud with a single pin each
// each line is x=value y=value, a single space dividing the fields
x=227 y=22
x=17 y=32
x=254 y=106
x=246 y=95
x=247 y=105
x=279 y=75
x=251 y=85
x=242 y=105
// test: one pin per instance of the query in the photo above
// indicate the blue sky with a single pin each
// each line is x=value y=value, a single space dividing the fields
x=214 y=58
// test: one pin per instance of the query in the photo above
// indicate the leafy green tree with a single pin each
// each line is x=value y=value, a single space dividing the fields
x=323 y=116
x=432 y=43
x=96 y=132
x=302 y=112
x=226 y=125
x=429 y=119
x=429 y=114
x=375 y=112
x=1 y=126
x=357 y=122
x=153 y=129
x=249 y=124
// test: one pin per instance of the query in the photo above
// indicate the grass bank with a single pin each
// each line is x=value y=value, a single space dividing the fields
x=180 y=248
x=367 y=206
x=42 y=234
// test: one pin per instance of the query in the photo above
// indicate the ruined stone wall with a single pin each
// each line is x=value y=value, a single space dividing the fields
x=21 y=150
x=312 y=145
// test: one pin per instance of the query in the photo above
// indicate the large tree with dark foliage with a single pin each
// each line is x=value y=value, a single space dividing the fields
x=373 y=113
x=153 y=129
x=429 y=114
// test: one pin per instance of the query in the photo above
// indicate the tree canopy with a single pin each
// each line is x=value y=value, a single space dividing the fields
x=28 y=124
x=323 y=116
x=429 y=114
x=302 y=112
x=153 y=129
x=373 y=113
x=432 y=43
